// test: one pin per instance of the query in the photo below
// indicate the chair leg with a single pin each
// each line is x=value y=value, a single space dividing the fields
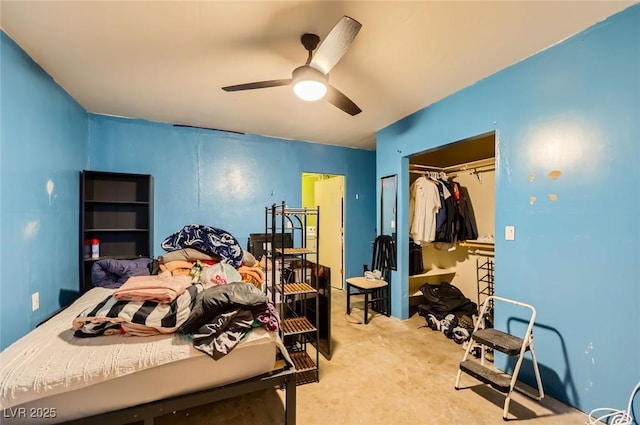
x=348 y=299
x=366 y=307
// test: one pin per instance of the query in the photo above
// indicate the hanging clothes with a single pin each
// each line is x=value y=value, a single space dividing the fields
x=447 y=231
x=424 y=203
x=468 y=229
x=440 y=211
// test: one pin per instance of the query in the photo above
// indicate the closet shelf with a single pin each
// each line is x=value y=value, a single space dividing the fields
x=434 y=272
x=431 y=273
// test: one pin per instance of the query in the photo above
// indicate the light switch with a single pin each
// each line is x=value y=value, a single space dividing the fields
x=510 y=233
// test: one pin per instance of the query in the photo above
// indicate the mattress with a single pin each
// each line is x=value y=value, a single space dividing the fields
x=49 y=372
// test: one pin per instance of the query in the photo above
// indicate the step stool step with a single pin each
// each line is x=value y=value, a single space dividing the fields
x=499 y=380
x=498 y=340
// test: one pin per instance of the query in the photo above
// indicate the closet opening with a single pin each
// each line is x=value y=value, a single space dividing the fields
x=456 y=247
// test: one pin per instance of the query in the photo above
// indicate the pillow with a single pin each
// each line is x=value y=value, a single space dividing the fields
x=112 y=273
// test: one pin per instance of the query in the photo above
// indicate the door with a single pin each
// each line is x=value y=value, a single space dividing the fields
x=329 y=196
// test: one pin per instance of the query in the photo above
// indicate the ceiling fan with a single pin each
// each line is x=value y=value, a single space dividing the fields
x=311 y=80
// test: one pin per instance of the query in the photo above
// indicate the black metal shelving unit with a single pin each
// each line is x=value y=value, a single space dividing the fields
x=290 y=284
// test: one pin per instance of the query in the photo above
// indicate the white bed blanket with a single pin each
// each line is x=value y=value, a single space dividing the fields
x=50 y=360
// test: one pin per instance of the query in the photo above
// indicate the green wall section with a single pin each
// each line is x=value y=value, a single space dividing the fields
x=308 y=194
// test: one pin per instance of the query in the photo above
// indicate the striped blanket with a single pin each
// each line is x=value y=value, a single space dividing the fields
x=136 y=318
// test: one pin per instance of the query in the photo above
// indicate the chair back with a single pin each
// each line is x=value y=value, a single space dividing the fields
x=384 y=255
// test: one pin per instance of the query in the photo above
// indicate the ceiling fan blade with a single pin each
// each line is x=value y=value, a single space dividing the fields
x=338 y=99
x=336 y=44
x=258 y=85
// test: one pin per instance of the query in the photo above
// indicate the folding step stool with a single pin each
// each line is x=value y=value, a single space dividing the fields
x=505 y=343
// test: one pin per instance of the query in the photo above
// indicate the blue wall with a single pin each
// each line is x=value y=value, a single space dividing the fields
x=201 y=176
x=226 y=180
x=574 y=108
x=43 y=139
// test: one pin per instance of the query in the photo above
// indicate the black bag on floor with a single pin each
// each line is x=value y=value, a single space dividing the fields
x=443 y=299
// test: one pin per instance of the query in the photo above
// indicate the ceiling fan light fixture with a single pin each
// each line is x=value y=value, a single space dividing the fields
x=309 y=84
x=310 y=90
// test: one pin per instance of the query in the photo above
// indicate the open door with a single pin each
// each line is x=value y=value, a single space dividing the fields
x=327 y=193
x=329 y=197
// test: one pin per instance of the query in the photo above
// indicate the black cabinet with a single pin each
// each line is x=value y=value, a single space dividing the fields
x=116 y=214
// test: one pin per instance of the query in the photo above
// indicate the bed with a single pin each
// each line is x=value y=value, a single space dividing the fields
x=51 y=376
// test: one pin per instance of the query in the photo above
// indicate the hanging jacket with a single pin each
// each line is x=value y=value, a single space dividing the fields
x=448 y=231
x=467 y=227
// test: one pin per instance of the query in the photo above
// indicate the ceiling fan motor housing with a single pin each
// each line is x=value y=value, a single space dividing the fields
x=309 y=83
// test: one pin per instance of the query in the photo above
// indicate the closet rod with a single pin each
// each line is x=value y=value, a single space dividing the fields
x=472 y=170
x=477 y=245
x=470 y=165
x=418 y=167
x=467 y=166
x=483 y=253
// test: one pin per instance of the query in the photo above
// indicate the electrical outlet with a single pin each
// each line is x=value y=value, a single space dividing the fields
x=510 y=233
x=35 y=301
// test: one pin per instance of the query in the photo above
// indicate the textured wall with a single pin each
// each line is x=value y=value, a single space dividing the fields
x=43 y=138
x=574 y=109
x=226 y=180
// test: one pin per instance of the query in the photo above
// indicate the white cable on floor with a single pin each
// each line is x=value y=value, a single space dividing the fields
x=613 y=416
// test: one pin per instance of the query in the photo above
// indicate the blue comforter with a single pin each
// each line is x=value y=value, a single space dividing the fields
x=207 y=239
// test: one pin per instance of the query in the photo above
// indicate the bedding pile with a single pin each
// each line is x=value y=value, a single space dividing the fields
x=50 y=367
x=207 y=239
x=156 y=318
x=205 y=286
x=216 y=318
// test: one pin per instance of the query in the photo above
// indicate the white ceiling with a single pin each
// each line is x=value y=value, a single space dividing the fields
x=167 y=61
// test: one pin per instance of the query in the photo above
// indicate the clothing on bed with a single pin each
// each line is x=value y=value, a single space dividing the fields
x=138 y=318
x=218 y=317
x=253 y=275
x=216 y=300
x=219 y=274
x=268 y=318
x=111 y=273
x=187 y=254
x=207 y=239
x=81 y=377
x=222 y=334
x=162 y=288
x=248 y=259
x=177 y=267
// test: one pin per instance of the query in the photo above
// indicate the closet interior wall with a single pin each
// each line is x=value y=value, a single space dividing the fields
x=460 y=265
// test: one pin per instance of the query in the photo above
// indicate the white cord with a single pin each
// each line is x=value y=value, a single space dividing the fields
x=613 y=416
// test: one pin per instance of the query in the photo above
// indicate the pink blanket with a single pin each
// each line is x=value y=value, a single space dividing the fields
x=162 y=288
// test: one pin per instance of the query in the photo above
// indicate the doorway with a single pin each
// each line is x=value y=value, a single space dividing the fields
x=326 y=191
